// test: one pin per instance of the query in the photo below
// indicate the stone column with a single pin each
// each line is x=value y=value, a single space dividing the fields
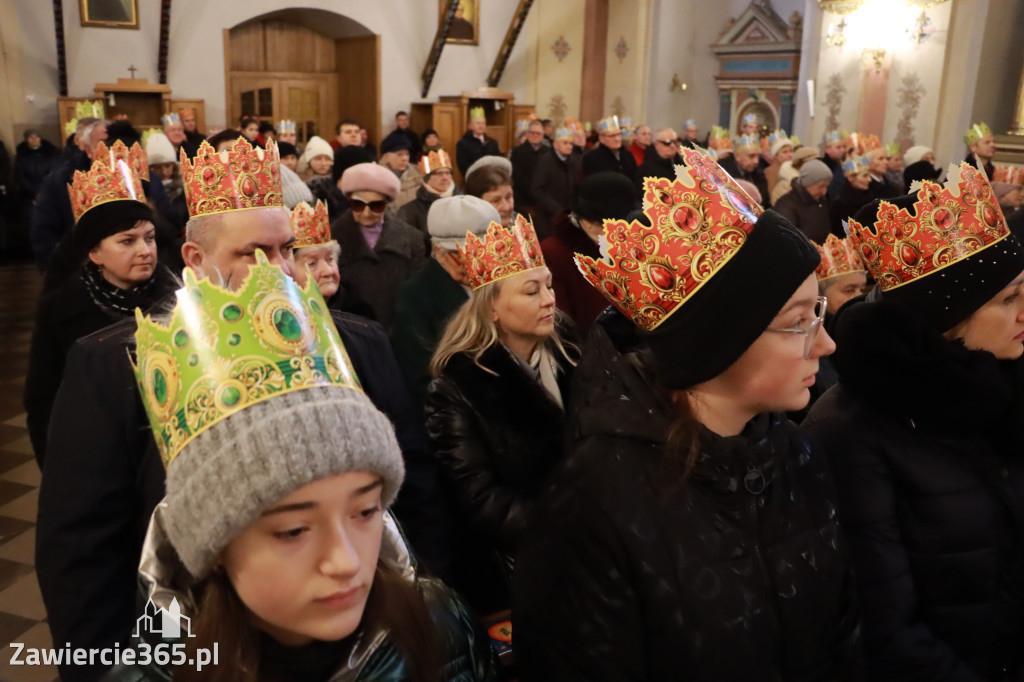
x=1018 y=116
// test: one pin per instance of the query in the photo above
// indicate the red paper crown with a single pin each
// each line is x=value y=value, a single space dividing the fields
x=311 y=226
x=433 y=161
x=104 y=182
x=136 y=157
x=502 y=252
x=951 y=223
x=838 y=257
x=698 y=223
x=231 y=180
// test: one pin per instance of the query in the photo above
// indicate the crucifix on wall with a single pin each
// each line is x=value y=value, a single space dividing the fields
x=132 y=70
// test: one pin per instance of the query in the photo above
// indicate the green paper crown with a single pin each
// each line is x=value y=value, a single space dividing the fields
x=223 y=351
x=976 y=132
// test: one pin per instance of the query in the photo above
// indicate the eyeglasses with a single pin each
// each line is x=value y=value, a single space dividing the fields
x=811 y=331
x=358 y=205
x=668 y=143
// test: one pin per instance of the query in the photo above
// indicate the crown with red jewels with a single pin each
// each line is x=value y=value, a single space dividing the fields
x=838 y=257
x=502 y=252
x=231 y=180
x=698 y=223
x=949 y=224
x=435 y=160
x=311 y=226
x=107 y=180
x=136 y=157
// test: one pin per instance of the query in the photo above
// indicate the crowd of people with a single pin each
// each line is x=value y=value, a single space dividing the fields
x=719 y=408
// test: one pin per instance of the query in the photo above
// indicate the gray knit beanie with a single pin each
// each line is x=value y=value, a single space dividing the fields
x=226 y=477
x=293 y=190
x=813 y=172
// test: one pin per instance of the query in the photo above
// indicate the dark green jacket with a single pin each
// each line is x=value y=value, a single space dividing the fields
x=423 y=307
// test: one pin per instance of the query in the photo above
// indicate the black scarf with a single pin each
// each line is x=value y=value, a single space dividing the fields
x=120 y=303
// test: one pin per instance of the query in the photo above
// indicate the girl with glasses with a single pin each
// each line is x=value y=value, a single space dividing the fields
x=692 y=531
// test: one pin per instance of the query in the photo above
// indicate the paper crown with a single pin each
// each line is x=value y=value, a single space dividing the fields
x=89 y=109
x=501 y=253
x=477 y=114
x=311 y=227
x=222 y=351
x=861 y=144
x=892 y=149
x=698 y=223
x=564 y=134
x=950 y=224
x=626 y=123
x=187 y=112
x=608 y=126
x=838 y=257
x=690 y=123
x=148 y=133
x=858 y=164
x=170 y=119
x=522 y=126
x=232 y=180
x=285 y=126
x=571 y=123
x=747 y=143
x=977 y=132
x=795 y=139
x=435 y=160
x=719 y=138
x=749 y=118
x=107 y=180
x=136 y=157
x=833 y=136
x=779 y=134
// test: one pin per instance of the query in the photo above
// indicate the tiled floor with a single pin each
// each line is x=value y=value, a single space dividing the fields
x=22 y=617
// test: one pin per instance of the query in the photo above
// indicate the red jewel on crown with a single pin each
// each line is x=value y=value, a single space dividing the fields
x=502 y=252
x=312 y=227
x=838 y=257
x=231 y=180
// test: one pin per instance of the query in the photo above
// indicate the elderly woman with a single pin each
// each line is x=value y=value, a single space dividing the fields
x=378 y=251
x=490 y=179
x=496 y=409
x=924 y=435
x=396 y=155
x=119 y=273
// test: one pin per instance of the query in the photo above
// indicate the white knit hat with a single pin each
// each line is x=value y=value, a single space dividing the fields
x=915 y=154
x=779 y=144
x=317 y=146
x=160 y=150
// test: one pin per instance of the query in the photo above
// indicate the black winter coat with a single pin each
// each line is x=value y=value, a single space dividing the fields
x=52 y=216
x=809 y=215
x=32 y=165
x=601 y=159
x=931 y=492
x=846 y=206
x=628 y=571
x=524 y=160
x=103 y=477
x=554 y=182
x=374 y=275
x=498 y=434
x=468 y=150
x=755 y=177
x=655 y=167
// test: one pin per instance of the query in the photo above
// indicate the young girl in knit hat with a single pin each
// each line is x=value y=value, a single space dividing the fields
x=691 y=532
x=274 y=539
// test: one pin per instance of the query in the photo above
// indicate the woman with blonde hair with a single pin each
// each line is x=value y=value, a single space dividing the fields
x=496 y=408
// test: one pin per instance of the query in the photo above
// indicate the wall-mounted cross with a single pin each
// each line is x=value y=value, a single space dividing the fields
x=132 y=69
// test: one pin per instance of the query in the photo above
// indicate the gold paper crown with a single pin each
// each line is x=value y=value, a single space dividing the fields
x=222 y=351
x=231 y=180
x=135 y=157
x=838 y=257
x=285 y=126
x=949 y=224
x=105 y=181
x=170 y=119
x=608 y=126
x=698 y=223
x=435 y=160
x=502 y=252
x=858 y=164
x=477 y=113
x=87 y=109
x=312 y=227
x=747 y=143
x=564 y=135
x=976 y=132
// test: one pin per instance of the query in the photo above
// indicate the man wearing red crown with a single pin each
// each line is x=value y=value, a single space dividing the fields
x=436 y=168
x=98 y=490
x=923 y=434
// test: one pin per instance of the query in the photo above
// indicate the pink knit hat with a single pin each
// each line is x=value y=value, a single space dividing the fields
x=369 y=177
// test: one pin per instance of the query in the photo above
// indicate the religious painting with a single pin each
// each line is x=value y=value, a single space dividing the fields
x=110 y=13
x=465 y=29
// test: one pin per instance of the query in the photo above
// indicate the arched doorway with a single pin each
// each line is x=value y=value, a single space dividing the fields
x=311 y=66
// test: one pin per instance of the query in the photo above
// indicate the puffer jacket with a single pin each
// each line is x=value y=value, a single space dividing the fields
x=372 y=655
x=926 y=441
x=628 y=571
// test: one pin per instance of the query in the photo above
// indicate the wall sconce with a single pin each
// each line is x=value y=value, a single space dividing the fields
x=677 y=84
x=918 y=33
x=836 y=36
x=878 y=55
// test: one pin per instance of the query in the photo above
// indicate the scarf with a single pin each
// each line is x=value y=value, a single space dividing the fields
x=443 y=195
x=372 y=233
x=115 y=302
x=542 y=368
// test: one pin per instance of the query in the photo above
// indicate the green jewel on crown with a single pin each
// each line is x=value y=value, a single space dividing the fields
x=222 y=351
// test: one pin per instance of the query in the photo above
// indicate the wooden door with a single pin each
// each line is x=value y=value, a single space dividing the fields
x=254 y=95
x=311 y=103
x=358 y=66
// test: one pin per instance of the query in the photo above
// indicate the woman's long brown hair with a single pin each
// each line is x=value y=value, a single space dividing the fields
x=222 y=619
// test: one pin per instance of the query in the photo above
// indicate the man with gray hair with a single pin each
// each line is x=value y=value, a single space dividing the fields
x=427 y=300
x=51 y=214
x=102 y=474
x=662 y=163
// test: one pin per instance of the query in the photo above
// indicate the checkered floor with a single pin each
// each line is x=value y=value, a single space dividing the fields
x=22 y=617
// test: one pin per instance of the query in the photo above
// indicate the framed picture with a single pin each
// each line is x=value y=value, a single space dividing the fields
x=465 y=28
x=110 y=13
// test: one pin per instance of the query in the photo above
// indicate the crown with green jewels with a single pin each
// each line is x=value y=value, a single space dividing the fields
x=222 y=351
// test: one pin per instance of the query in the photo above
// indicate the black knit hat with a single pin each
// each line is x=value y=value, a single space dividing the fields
x=604 y=196
x=719 y=322
x=108 y=219
x=286 y=149
x=920 y=171
x=394 y=143
x=949 y=296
